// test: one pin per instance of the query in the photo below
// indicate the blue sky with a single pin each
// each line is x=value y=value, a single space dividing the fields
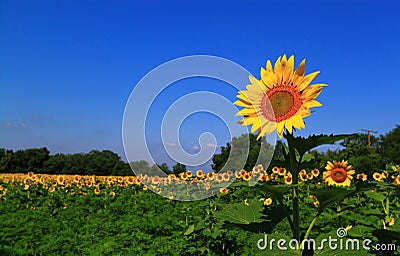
x=67 y=68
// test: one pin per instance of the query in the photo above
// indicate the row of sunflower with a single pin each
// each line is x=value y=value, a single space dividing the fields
x=338 y=173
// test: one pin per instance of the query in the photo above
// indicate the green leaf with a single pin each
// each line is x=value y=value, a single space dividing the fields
x=241 y=213
x=302 y=145
x=330 y=195
x=375 y=195
x=275 y=192
x=387 y=236
x=359 y=231
x=189 y=230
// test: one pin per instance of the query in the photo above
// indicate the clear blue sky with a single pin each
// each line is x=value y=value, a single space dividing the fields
x=67 y=68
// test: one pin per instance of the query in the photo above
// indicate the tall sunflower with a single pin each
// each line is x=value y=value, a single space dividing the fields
x=280 y=99
x=338 y=173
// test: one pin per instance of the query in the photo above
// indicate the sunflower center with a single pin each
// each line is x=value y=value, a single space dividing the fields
x=339 y=175
x=284 y=102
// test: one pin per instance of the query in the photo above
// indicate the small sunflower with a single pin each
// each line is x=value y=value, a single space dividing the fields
x=315 y=172
x=338 y=173
x=288 y=178
x=362 y=176
x=246 y=177
x=97 y=191
x=268 y=201
x=315 y=200
x=378 y=177
x=303 y=175
x=280 y=99
x=223 y=190
x=199 y=174
x=282 y=171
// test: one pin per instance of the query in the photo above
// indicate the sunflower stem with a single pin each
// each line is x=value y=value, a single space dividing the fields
x=311 y=227
x=294 y=170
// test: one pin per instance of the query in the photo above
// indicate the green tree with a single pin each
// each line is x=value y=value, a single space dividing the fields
x=243 y=149
x=390 y=145
x=141 y=166
x=178 y=168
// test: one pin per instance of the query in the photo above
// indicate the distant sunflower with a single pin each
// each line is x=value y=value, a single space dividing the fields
x=315 y=172
x=288 y=178
x=199 y=174
x=280 y=99
x=378 y=177
x=223 y=190
x=338 y=173
x=268 y=201
x=97 y=191
x=362 y=176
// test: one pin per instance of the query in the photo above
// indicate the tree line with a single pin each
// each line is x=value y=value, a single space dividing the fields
x=383 y=149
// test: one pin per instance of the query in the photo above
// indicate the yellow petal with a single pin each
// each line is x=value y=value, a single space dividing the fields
x=301 y=68
x=251 y=120
x=307 y=80
x=298 y=122
x=246 y=112
x=268 y=127
x=280 y=127
x=268 y=76
x=311 y=92
x=312 y=104
x=288 y=126
x=287 y=69
x=242 y=103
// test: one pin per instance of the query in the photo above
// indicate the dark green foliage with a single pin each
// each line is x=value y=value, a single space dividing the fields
x=178 y=168
x=96 y=162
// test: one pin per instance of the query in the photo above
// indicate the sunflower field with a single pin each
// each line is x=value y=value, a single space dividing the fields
x=119 y=215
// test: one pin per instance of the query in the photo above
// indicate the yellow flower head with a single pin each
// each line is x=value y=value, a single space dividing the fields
x=223 y=190
x=378 y=177
x=280 y=99
x=288 y=178
x=268 y=201
x=338 y=173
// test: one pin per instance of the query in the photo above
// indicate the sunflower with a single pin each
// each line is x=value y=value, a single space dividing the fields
x=223 y=190
x=303 y=175
x=315 y=172
x=97 y=191
x=338 y=173
x=246 y=177
x=199 y=174
x=362 y=176
x=280 y=99
x=268 y=201
x=378 y=177
x=288 y=178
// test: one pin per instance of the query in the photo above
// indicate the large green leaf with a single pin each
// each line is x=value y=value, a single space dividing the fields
x=375 y=195
x=242 y=213
x=302 y=145
x=275 y=192
x=330 y=195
